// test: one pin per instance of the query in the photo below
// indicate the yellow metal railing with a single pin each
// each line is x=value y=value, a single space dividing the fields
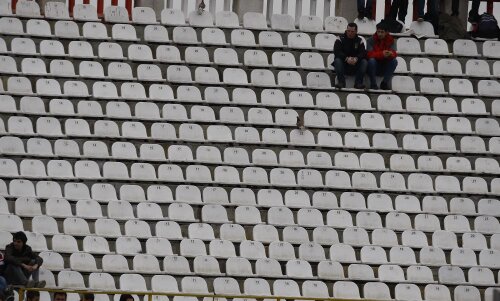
x=150 y=295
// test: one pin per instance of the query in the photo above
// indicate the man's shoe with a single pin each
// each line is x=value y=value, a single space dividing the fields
x=31 y=283
x=420 y=19
x=41 y=284
x=361 y=16
x=340 y=85
x=384 y=86
x=373 y=87
x=359 y=86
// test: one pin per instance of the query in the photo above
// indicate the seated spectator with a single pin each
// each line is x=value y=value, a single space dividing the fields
x=350 y=57
x=87 y=297
x=32 y=296
x=381 y=53
x=485 y=27
x=365 y=9
x=60 y=296
x=22 y=263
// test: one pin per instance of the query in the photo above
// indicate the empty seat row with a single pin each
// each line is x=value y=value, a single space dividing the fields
x=265 y=78
x=259 y=286
x=323 y=238
x=246 y=96
x=255 y=116
x=279 y=250
x=51 y=127
x=337 y=179
x=157 y=34
x=280 y=216
x=104 y=192
x=435 y=86
x=449 y=67
x=208 y=265
x=163 y=54
x=228 y=56
x=243 y=197
x=461 y=47
x=240 y=156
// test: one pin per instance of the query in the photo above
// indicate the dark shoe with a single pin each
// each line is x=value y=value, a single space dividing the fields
x=340 y=85
x=361 y=16
x=359 y=86
x=40 y=284
x=384 y=86
x=373 y=87
x=31 y=283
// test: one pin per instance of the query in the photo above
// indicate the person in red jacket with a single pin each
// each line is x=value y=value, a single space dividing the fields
x=381 y=54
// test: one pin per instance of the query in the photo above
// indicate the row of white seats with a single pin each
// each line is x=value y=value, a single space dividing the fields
x=276 y=250
x=169 y=231
x=51 y=127
x=262 y=287
x=240 y=156
x=450 y=67
x=228 y=56
x=175 y=17
x=335 y=218
x=103 y=192
x=340 y=219
x=262 y=78
x=158 y=34
x=70 y=29
x=199 y=55
x=242 y=97
x=151 y=72
x=209 y=266
x=255 y=116
x=282 y=216
x=142 y=53
x=286 y=177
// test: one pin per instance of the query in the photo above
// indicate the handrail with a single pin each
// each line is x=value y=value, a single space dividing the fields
x=150 y=295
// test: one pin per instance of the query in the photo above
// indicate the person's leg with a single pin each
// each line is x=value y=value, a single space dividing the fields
x=339 y=65
x=403 y=11
x=388 y=72
x=368 y=9
x=474 y=11
x=3 y=284
x=454 y=7
x=361 y=9
x=361 y=6
x=421 y=8
x=372 y=71
x=15 y=275
x=393 y=12
x=360 y=72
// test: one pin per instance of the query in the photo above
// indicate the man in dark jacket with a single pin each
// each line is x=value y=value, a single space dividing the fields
x=350 y=57
x=381 y=53
x=21 y=262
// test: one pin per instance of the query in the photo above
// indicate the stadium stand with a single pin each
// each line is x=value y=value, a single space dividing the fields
x=164 y=157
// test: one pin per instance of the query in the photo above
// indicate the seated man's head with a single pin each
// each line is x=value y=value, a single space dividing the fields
x=382 y=30
x=352 y=30
x=19 y=239
x=87 y=297
x=33 y=296
x=59 y=296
